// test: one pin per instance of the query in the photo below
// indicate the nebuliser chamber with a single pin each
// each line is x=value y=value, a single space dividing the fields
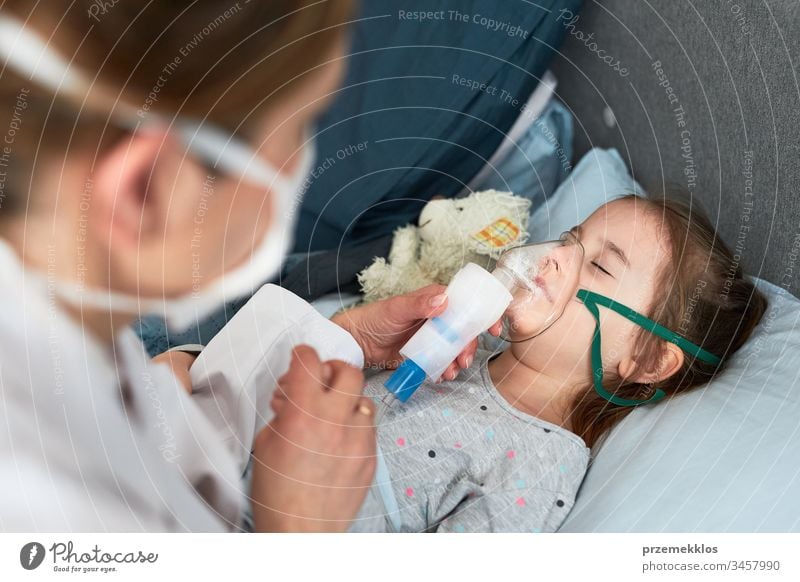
x=475 y=300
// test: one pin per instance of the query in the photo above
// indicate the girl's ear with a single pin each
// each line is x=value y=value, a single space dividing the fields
x=122 y=179
x=670 y=362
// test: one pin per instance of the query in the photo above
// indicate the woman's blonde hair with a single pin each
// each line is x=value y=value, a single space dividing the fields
x=705 y=298
x=204 y=59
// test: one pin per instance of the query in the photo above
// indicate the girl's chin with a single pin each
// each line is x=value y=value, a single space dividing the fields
x=525 y=325
x=520 y=331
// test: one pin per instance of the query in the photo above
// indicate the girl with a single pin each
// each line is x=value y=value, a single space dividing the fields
x=506 y=446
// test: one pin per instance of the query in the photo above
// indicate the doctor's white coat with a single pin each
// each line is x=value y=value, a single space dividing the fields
x=97 y=438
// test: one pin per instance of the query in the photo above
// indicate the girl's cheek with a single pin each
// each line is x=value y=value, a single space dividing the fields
x=568 y=328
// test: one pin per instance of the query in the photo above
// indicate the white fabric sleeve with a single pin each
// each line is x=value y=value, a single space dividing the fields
x=235 y=375
x=51 y=499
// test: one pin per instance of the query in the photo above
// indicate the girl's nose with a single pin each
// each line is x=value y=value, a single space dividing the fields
x=562 y=263
x=563 y=257
x=549 y=265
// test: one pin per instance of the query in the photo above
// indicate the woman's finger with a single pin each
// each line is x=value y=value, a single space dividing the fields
x=346 y=380
x=276 y=404
x=421 y=304
x=347 y=384
x=364 y=413
x=465 y=358
x=497 y=328
x=450 y=373
x=302 y=384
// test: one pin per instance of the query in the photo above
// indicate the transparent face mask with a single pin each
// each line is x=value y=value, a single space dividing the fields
x=543 y=279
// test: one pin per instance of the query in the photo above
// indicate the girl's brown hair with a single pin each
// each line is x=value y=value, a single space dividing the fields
x=706 y=299
x=221 y=61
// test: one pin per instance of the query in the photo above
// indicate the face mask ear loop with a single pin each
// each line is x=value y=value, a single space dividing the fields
x=649 y=325
x=597 y=363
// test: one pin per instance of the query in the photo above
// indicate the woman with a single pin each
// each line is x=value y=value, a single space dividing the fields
x=151 y=165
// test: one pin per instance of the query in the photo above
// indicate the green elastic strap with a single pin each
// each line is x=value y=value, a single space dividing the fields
x=592 y=300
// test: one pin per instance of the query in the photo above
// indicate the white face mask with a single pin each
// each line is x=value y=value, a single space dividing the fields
x=181 y=313
x=25 y=52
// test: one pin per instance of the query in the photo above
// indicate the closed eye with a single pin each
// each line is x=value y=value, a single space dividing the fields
x=599 y=267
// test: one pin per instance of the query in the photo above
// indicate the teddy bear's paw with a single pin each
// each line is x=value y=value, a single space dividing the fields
x=382 y=280
x=375 y=280
x=405 y=246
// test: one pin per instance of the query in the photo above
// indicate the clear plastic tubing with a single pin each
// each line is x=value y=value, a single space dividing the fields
x=475 y=300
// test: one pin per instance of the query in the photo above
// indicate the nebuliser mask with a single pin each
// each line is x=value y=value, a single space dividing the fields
x=530 y=288
x=542 y=279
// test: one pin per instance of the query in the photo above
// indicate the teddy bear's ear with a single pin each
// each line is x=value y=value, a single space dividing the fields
x=517 y=205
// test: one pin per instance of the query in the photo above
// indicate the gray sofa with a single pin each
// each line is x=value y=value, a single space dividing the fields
x=702 y=95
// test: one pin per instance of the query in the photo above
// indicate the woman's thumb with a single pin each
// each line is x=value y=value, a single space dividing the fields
x=426 y=302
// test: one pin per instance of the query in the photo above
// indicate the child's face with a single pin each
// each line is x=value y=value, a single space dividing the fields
x=623 y=254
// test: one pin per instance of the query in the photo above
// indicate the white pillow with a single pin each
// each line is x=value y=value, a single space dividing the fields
x=722 y=458
x=599 y=177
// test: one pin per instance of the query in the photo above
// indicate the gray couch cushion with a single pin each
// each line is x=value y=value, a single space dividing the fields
x=702 y=95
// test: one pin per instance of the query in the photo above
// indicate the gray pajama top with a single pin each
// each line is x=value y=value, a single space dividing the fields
x=459 y=457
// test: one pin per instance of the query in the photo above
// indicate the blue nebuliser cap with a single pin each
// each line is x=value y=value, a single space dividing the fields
x=405 y=380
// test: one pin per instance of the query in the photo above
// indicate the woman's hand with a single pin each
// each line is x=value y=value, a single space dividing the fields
x=381 y=328
x=314 y=463
x=179 y=363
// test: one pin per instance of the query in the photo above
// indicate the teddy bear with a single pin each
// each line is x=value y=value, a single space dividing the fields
x=449 y=234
